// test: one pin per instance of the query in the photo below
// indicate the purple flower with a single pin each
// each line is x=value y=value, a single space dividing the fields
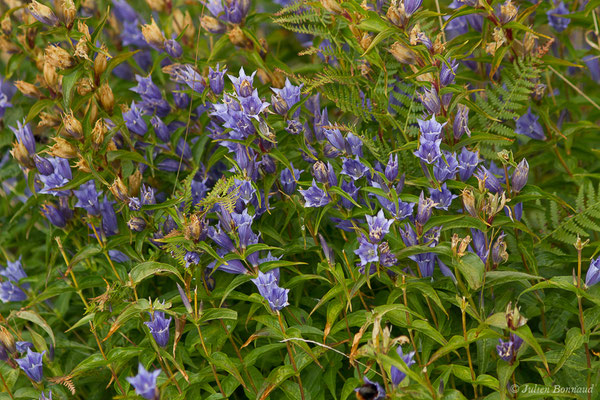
x=430 y=127
x=159 y=328
x=353 y=168
x=144 y=383
x=243 y=83
x=42 y=13
x=351 y=189
x=446 y=167
x=448 y=72
x=431 y=101
x=59 y=177
x=528 y=125
x=379 y=226
x=424 y=209
x=397 y=375
x=25 y=136
x=43 y=396
x=461 y=122
x=118 y=256
x=410 y=6
x=354 y=145
x=554 y=17
x=216 y=79
x=268 y=288
x=335 y=137
x=505 y=350
x=429 y=150
x=467 y=162
x=146 y=88
x=14 y=272
x=370 y=390
x=123 y=11
x=442 y=197
x=366 y=251
x=186 y=74
x=519 y=177
x=54 y=215
x=87 y=197
x=391 y=169
x=191 y=257
x=10 y=292
x=109 y=218
x=480 y=244
x=593 y=64
x=134 y=121
x=290 y=95
x=315 y=196
x=252 y=105
x=22 y=346
x=182 y=100
x=593 y=274
x=491 y=182
x=32 y=365
x=173 y=48
x=289 y=179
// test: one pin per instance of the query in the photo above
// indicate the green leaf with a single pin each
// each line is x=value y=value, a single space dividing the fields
x=151 y=268
x=471 y=268
x=34 y=317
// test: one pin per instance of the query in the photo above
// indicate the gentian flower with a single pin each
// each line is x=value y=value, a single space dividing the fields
x=431 y=101
x=54 y=215
x=315 y=196
x=109 y=218
x=43 y=396
x=353 y=168
x=134 y=121
x=430 y=126
x=528 y=125
x=379 y=226
x=32 y=365
x=442 y=197
x=290 y=95
x=10 y=292
x=366 y=251
x=87 y=197
x=22 y=346
x=59 y=177
x=447 y=73
x=118 y=256
x=159 y=328
x=152 y=100
x=144 y=383
x=593 y=64
x=519 y=177
x=445 y=167
x=491 y=182
x=186 y=74
x=467 y=162
x=593 y=274
x=391 y=169
x=243 y=83
x=216 y=79
x=480 y=244
x=14 y=272
x=554 y=17
x=429 y=150
x=335 y=137
x=25 y=136
x=424 y=209
x=397 y=375
x=123 y=11
x=354 y=145
x=289 y=179
x=268 y=288
x=370 y=389
x=173 y=48
x=351 y=189
x=460 y=125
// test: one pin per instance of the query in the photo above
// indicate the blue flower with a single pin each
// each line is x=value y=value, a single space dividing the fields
x=424 y=209
x=109 y=218
x=446 y=167
x=159 y=328
x=460 y=126
x=59 y=177
x=118 y=256
x=289 y=179
x=351 y=189
x=593 y=274
x=10 y=292
x=448 y=72
x=370 y=389
x=411 y=6
x=268 y=288
x=335 y=137
x=554 y=17
x=431 y=101
x=134 y=121
x=32 y=365
x=429 y=150
x=243 y=83
x=391 y=169
x=22 y=346
x=43 y=396
x=123 y=11
x=315 y=196
x=354 y=145
x=491 y=182
x=353 y=168
x=14 y=271
x=366 y=251
x=87 y=197
x=519 y=177
x=54 y=215
x=528 y=125
x=442 y=197
x=186 y=74
x=144 y=383
x=480 y=244
x=397 y=375
x=430 y=126
x=215 y=79
x=290 y=94
x=173 y=48
x=24 y=136
x=379 y=226
x=467 y=162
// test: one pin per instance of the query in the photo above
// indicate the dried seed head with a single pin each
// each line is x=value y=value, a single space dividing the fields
x=20 y=153
x=157 y=5
x=182 y=23
x=50 y=75
x=153 y=35
x=85 y=86
x=7 y=339
x=119 y=190
x=106 y=97
x=98 y=133
x=62 y=148
x=100 y=63
x=135 y=181
x=6 y=25
x=401 y=53
x=58 y=57
x=42 y=13
x=82 y=165
x=69 y=12
x=28 y=89
x=9 y=47
x=81 y=49
x=237 y=37
x=332 y=6
x=212 y=24
x=469 y=202
x=72 y=125
x=48 y=120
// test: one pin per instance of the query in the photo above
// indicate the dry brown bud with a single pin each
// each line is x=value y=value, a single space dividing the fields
x=72 y=125
x=48 y=120
x=81 y=49
x=153 y=35
x=157 y=5
x=20 y=153
x=98 y=133
x=212 y=24
x=119 y=190
x=82 y=165
x=402 y=53
x=58 y=57
x=238 y=38
x=6 y=25
x=62 y=148
x=332 y=6
x=50 y=76
x=69 y=12
x=100 y=63
x=182 y=22
x=85 y=86
x=28 y=89
x=135 y=181
x=7 y=339
x=106 y=97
